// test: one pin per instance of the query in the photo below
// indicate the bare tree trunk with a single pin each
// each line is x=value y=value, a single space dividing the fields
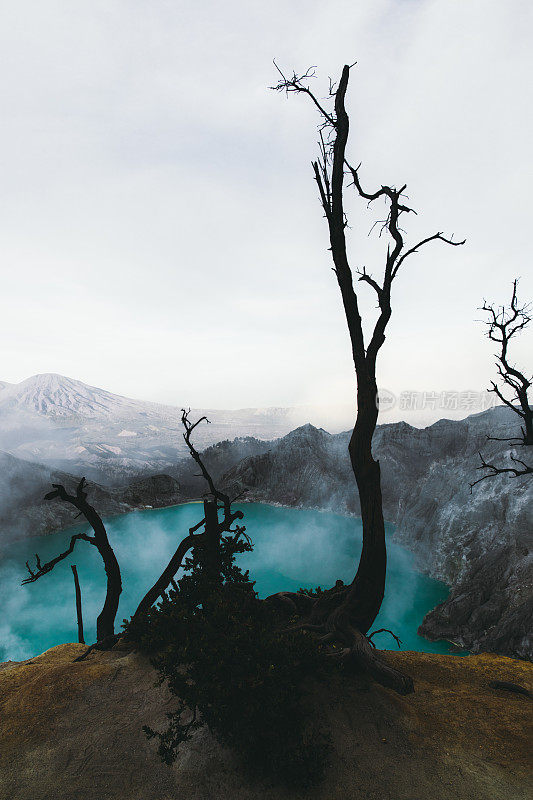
x=368 y=587
x=166 y=576
x=343 y=615
x=211 y=542
x=365 y=595
x=105 y=622
x=79 y=616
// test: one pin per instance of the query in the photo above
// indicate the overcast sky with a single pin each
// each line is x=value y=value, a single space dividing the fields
x=160 y=231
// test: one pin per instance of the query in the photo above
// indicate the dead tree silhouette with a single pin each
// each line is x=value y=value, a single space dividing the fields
x=343 y=615
x=105 y=631
x=503 y=324
x=210 y=538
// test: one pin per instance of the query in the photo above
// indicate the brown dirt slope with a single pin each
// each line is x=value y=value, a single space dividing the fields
x=73 y=732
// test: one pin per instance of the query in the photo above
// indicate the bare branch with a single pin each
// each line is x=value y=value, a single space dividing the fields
x=295 y=84
x=502 y=324
x=364 y=276
x=436 y=236
x=42 y=569
x=493 y=469
x=106 y=619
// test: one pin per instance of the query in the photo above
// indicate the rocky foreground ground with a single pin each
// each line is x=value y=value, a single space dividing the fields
x=73 y=731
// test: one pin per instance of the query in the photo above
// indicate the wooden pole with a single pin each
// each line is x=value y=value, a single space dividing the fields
x=81 y=640
x=212 y=541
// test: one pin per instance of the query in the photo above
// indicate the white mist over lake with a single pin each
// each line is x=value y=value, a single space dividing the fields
x=293 y=548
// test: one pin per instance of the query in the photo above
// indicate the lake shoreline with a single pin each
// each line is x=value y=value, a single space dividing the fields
x=293 y=548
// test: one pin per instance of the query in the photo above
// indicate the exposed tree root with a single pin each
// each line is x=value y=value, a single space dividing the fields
x=106 y=644
x=384 y=630
x=331 y=618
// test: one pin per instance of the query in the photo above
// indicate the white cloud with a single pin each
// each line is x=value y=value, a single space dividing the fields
x=158 y=209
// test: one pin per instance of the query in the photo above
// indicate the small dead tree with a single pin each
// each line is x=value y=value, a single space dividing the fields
x=344 y=615
x=504 y=323
x=208 y=539
x=79 y=613
x=105 y=623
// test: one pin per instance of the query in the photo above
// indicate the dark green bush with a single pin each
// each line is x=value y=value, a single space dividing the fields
x=227 y=657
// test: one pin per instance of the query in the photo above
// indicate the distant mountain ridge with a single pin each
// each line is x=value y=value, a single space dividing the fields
x=50 y=394
x=75 y=427
x=54 y=395
x=24 y=512
x=479 y=542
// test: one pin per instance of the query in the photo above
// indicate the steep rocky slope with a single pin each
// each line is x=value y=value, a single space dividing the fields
x=24 y=512
x=73 y=730
x=73 y=427
x=478 y=541
x=491 y=607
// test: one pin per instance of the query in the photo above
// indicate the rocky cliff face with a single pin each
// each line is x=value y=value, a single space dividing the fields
x=491 y=607
x=24 y=512
x=308 y=467
x=479 y=541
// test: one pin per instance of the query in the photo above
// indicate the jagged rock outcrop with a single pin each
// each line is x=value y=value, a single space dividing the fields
x=491 y=607
x=478 y=542
x=308 y=467
x=74 y=730
x=455 y=532
x=155 y=491
x=24 y=512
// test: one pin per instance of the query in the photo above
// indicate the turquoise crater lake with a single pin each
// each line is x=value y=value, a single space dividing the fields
x=293 y=548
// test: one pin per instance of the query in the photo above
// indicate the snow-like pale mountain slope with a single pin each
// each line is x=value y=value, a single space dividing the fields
x=72 y=426
x=52 y=395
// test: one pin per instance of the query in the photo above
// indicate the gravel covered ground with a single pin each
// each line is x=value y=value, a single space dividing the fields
x=73 y=731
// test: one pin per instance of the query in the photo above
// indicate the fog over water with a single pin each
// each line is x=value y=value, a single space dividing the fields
x=293 y=548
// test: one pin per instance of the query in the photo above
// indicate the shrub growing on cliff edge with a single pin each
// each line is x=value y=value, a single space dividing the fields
x=228 y=658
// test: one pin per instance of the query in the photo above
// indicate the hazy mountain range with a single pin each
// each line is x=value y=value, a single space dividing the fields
x=72 y=426
x=478 y=542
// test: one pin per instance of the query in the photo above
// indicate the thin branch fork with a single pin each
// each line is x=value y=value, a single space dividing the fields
x=493 y=469
x=295 y=84
x=394 y=258
x=194 y=538
x=42 y=569
x=502 y=324
x=229 y=516
x=189 y=428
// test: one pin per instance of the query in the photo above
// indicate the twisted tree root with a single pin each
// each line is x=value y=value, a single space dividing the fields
x=105 y=644
x=333 y=620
